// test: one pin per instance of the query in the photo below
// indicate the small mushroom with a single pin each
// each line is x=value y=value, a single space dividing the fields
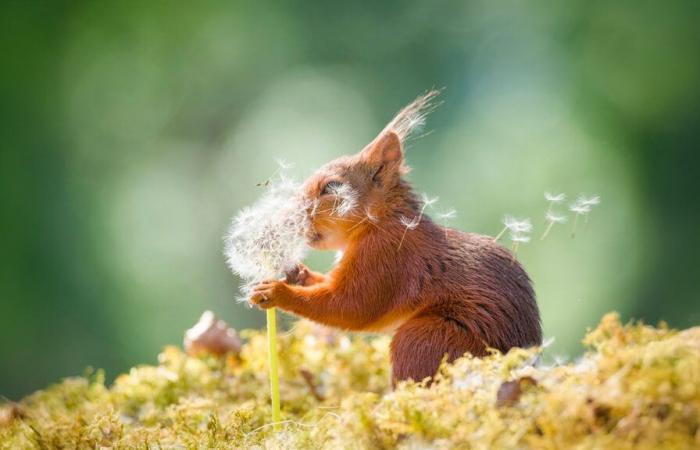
x=211 y=335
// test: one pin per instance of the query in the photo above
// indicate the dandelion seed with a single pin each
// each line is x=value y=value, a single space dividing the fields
x=412 y=224
x=515 y=226
x=553 y=199
x=428 y=201
x=581 y=207
x=517 y=239
x=551 y=218
x=520 y=238
x=448 y=215
x=445 y=218
x=591 y=201
x=346 y=198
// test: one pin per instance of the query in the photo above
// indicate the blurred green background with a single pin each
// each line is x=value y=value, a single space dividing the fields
x=133 y=131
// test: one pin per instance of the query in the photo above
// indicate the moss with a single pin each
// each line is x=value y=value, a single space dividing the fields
x=636 y=387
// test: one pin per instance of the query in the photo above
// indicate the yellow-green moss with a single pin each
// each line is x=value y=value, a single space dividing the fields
x=637 y=387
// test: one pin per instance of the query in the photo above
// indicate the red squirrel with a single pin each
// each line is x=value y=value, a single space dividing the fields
x=440 y=291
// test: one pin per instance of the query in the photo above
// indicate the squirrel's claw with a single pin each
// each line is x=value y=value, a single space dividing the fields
x=268 y=293
x=299 y=275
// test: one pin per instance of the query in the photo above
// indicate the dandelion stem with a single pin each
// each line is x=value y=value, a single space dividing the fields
x=403 y=236
x=550 y=224
x=573 y=231
x=498 y=236
x=274 y=371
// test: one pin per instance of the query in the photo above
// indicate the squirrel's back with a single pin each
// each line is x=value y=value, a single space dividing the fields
x=474 y=282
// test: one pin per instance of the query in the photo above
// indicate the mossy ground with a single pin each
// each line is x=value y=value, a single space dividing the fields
x=636 y=387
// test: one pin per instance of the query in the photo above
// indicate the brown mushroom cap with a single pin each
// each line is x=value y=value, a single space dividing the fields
x=211 y=335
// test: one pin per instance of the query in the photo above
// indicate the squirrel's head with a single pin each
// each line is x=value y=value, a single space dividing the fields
x=355 y=192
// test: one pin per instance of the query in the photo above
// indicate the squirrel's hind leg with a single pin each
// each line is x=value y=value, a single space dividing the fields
x=420 y=344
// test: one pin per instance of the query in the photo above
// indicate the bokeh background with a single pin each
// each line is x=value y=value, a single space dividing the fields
x=133 y=131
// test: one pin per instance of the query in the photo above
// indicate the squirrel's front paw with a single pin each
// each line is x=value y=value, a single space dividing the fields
x=269 y=293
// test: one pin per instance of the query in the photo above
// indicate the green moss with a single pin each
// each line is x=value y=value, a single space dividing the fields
x=637 y=387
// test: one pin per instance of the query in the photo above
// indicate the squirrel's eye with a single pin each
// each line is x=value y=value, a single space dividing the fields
x=331 y=187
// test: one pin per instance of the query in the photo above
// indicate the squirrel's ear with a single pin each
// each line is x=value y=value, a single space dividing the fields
x=385 y=149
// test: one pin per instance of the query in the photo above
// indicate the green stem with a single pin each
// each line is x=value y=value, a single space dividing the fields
x=274 y=374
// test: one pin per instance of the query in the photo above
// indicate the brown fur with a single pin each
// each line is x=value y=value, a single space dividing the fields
x=443 y=291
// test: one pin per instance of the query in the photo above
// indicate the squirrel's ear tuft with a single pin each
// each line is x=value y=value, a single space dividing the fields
x=385 y=149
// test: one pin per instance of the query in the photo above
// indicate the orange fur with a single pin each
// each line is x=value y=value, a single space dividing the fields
x=441 y=291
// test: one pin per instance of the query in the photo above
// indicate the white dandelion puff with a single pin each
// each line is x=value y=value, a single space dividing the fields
x=268 y=238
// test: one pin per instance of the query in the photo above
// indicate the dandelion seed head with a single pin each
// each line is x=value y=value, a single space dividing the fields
x=411 y=224
x=579 y=208
x=589 y=201
x=447 y=215
x=347 y=198
x=583 y=204
x=554 y=218
x=517 y=226
x=519 y=238
x=427 y=200
x=268 y=238
x=554 y=198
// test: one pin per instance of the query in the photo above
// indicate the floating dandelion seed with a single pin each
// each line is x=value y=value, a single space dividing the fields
x=515 y=226
x=553 y=199
x=282 y=165
x=412 y=224
x=581 y=207
x=517 y=239
x=551 y=218
x=445 y=218
x=591 y=201
x=448 y=215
